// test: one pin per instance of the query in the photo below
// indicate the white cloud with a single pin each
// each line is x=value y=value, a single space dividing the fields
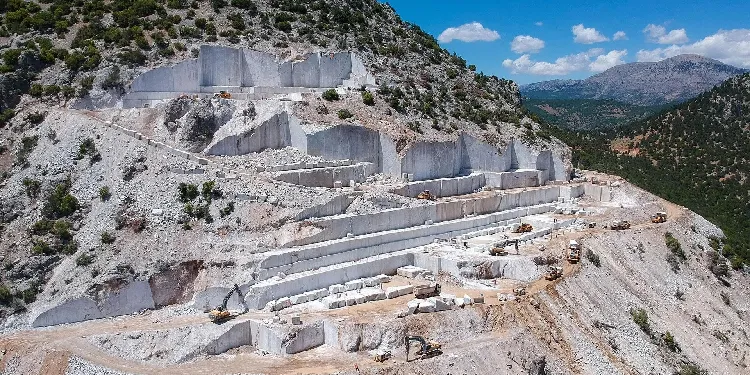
x=728 y=46
x=539 y=23
x=659 y=34
x=620 y=35
x=470 y=32
x=587 y=35
x=604 y=62
x=562 y=66
x=526 y=44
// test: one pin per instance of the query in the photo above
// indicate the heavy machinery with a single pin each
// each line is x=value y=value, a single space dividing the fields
x=659 y=217
x=223 y=94
x=498 y=248
x=426 y=290
x=426 y=195
x=574 y=252
x=383 y=356
x=620 y=225
x=524 y=228
x=426 y=348
x=553 y=273
x=220 y=313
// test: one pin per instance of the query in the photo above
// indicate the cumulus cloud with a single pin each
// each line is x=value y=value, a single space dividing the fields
x=659 y=34
x=587 y=35
x=562 y=66
x=604 y=62
x=526 y=44
x=620 y=35
x=470 y=32
x=539 y=23
x=728 y=46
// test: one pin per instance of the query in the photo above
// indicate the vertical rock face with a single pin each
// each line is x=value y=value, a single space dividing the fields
x=201 y=122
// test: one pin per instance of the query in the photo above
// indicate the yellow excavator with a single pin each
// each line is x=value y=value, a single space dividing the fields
x=220 y=313
x=426 y=348
x=223 y=94
x=553 y=273
x=426 y=195
x=660 y=217
x=524 y=228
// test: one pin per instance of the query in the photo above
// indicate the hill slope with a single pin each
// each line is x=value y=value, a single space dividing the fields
x=655 y=83
x=588 y=114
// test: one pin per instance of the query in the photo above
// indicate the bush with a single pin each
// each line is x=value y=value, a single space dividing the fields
x=368 y=98
x=593 y=258
x=670 y=343
x=640 y=317
x=84 y=260
x=345 y=114
x=237 y=21
x=104 y=193
x=6 y=297
x=227 y=210
x=41 y=247
x=674 y=246
x=187 y=192
x=35 y=118
x=32 y=187
x=107 y=238
x=60 y=202
x=691 y=369
x=717 y=264
x=209 y=190
x=87 y=148
x=27 y=146
x=330 y=95
x=5 y=116
x=61 y=229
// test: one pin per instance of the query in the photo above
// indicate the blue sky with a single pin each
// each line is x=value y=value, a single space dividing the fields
x=483 y=33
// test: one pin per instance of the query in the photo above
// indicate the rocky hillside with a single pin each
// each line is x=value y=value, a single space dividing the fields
x=655 y=83
x=694 y=154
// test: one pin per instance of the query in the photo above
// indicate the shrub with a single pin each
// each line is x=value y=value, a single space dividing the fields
x=227 y=210
x=36 y=90
x=345 y=114
x=593 y=258
x=107 y=238
x=60 y=202
x=35 y=118
x=209 y=190
x=32 y=187
x=691 y=369
x=670 y=343
x=330 y=95
x=674 y=246
x=27 y=146
x=42 y=227
x=6 y=297
x=674 y=263
x=86 y=148
x=368 y=98
x=473 y=68
x=61 y=229
x=717 y=264
x=84 y=260
x=237 y=21
x=87 y=83
x=5 y=116
x=187 y=192
x=41 y=247
x=640 y=317
x=104 y=193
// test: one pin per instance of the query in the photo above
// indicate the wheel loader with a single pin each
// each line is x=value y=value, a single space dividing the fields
x=620 y=225
x=659 y=217
x=223 y=95
x=426 y=290
x=574 y=252
x=524 y=228
x=220 y=313
x=426 y=195
x=382 y=357
x=553 y=273
x=426 y=348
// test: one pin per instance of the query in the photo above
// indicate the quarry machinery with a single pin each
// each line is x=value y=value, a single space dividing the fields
x=553 y=273
x=620 y=225
x=426 y=348
x=524 y=228
x=498 y=248
x=223 y=94
x=574 y=252
x=220 y=313
x=426 y=195
x=659 y=217
x=427 y=290
x=383 y=356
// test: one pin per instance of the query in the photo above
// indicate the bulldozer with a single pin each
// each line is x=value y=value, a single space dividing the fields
x=223 y=95
x=620 y=225
x=426 y=348
x=426 y=195
x=426 y=290
x=382 y=356
x=553 y=273
x=574 y=252
x=524 y=228
x=659 y=217
x=220 y=313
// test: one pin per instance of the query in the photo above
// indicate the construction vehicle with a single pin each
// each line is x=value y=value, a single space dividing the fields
x=223 y=95
x=426 y=290
x=498 y=248
x=524 y=228
x=521 y=291
x=660 y=217
x=426 y=348
x=620 y=225
x=574 y=252
x=553 y=273
x=383 y=356
x=220 y=313
x=426 y=195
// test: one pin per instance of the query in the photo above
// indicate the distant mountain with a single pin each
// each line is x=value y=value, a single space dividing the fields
x=588 y=114
x=646 y=84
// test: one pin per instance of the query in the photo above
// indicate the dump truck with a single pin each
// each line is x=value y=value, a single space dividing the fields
x=659 y=217
x=620 y=225
x=553 y=273
x=524 y=228
x=220 y=313
x=423 y=291
x=574 y=252
x=426 y=348
x=426 y=195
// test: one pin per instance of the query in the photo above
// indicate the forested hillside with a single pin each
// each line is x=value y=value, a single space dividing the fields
x=695 y=155
x=589 y=114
